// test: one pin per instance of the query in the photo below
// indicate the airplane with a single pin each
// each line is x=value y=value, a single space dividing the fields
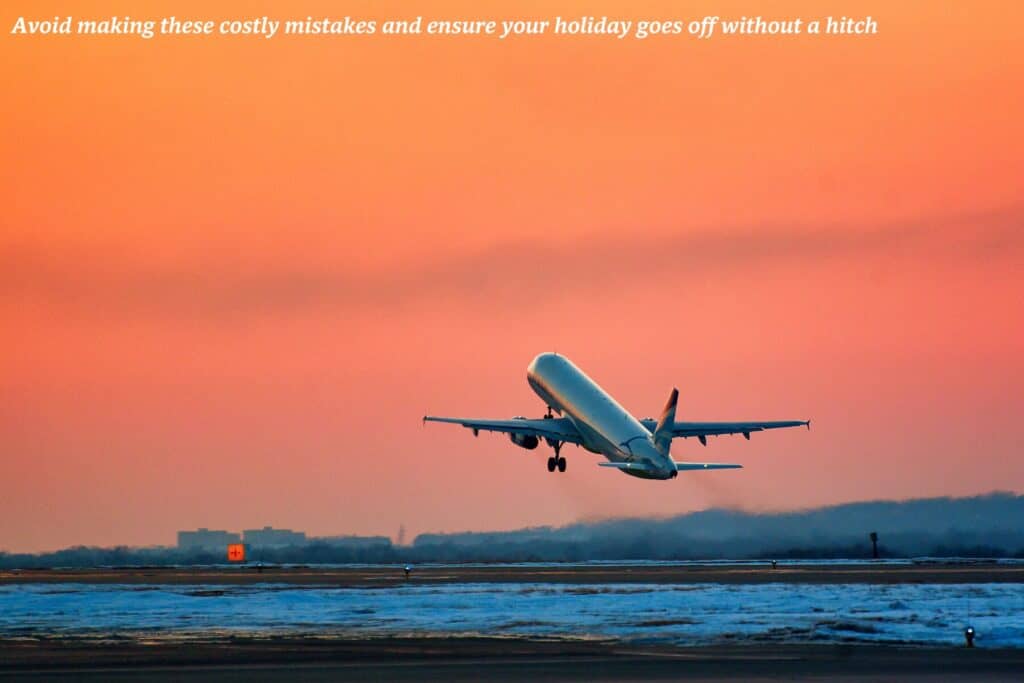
x=591 y=418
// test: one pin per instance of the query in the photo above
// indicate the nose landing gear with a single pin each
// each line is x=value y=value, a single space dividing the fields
x=556 y=461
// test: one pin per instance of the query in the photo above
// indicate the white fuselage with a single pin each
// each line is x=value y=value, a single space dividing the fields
x=606 y=427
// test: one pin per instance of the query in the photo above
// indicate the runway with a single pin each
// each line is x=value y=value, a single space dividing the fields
x=493 y=660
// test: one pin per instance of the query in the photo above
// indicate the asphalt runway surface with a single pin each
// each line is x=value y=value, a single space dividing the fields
x=455 y=659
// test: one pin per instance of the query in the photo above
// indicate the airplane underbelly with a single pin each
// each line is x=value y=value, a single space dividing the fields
x=604 y=425
x=593 y=441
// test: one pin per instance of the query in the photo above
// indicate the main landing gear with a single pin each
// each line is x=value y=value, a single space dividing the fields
x=556 y=460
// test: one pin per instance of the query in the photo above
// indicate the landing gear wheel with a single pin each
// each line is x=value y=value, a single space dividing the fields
x=552 y=464
x=561 y=464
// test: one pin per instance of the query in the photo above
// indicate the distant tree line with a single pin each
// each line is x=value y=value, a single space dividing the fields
x=990 y=526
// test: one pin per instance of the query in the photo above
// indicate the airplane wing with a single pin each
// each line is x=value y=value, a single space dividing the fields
x=556 y=428
x=702 y=430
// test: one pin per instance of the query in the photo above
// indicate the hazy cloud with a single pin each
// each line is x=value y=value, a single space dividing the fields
x=97 y=281
x=930 y=526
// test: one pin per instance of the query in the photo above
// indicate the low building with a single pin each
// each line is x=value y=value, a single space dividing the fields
x=269 y=537
x=354 y=542
x=207 y=539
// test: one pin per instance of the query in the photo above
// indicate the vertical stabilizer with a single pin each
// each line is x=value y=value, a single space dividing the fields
x=663 y=432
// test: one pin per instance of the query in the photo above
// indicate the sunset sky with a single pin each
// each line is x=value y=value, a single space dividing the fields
x=236 y=272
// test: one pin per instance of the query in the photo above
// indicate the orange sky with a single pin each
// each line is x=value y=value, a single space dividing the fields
x=236 y=272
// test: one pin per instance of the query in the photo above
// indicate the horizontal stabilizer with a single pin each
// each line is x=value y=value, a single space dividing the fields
x=634 y=466
x=706 y=466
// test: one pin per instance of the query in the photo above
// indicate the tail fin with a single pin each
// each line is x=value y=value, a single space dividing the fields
x=663 y=432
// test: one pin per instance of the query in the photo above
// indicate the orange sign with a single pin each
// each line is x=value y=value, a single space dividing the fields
x=236 y=552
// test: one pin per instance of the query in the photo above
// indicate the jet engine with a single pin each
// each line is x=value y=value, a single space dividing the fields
x=527 y=441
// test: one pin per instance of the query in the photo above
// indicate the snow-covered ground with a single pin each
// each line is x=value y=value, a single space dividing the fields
x=682 y=614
